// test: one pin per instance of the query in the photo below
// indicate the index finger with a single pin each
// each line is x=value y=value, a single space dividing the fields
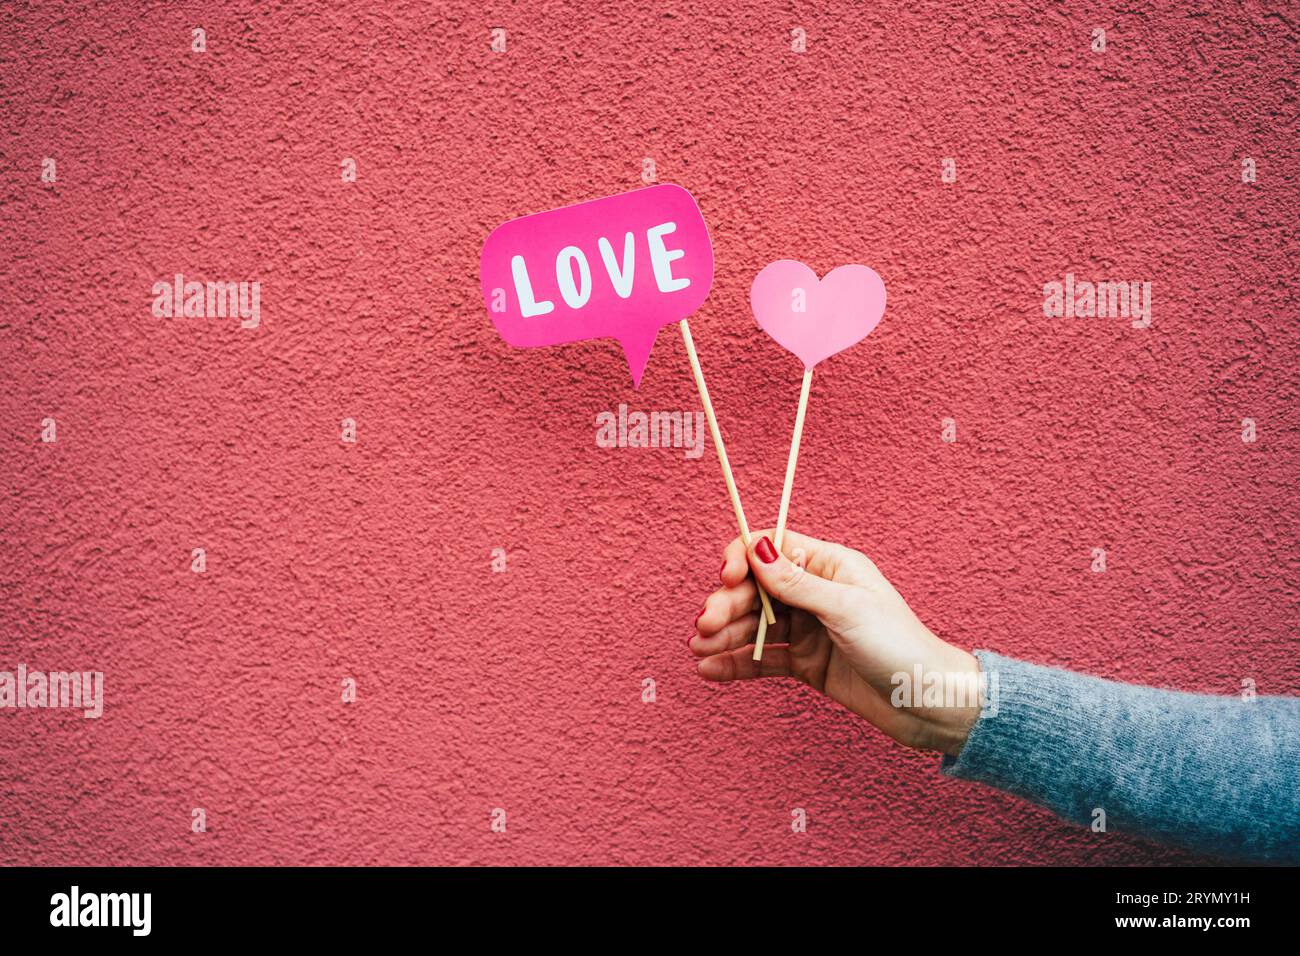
x=735 y=566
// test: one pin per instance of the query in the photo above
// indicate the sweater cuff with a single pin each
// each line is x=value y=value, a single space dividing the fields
x=1032 y=729
x=1215 y=774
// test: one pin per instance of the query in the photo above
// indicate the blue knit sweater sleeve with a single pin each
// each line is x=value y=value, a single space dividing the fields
x=1220 y=775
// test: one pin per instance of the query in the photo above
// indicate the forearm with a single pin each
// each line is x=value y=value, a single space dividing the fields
x=1215 y=774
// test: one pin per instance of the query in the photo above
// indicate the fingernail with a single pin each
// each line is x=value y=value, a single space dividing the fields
x=765 y=550
x=689 y=639
x=700 y=615
x=721 y=569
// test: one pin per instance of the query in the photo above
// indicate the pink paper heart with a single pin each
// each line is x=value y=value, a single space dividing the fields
x=838 y=311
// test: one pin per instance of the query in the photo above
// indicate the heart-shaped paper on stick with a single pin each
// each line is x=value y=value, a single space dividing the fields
x=813 y=318
x=816 y=318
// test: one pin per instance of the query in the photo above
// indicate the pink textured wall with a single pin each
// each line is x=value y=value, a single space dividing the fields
x=522 y=690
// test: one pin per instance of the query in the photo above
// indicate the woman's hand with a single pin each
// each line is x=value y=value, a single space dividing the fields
x=845 y=631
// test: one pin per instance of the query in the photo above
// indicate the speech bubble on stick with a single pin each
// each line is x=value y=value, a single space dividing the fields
x=814 y=319
x=619 y=267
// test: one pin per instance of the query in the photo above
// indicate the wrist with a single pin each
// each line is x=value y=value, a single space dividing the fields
x=950 y=723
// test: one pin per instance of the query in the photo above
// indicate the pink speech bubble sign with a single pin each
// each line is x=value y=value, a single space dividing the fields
x=837 y=311
x=619 y=267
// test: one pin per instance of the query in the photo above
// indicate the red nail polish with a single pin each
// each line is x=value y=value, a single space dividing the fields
x=765 y=550
x=700 y=615
x=721 y=569
x=689 y=639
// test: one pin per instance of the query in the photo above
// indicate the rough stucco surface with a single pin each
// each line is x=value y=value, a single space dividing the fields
x=522 y=690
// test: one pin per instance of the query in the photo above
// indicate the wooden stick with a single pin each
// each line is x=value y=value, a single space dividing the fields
x=722 y=459
x=785 y=492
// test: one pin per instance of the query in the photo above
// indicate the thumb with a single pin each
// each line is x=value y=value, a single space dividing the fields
x=784 y=580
